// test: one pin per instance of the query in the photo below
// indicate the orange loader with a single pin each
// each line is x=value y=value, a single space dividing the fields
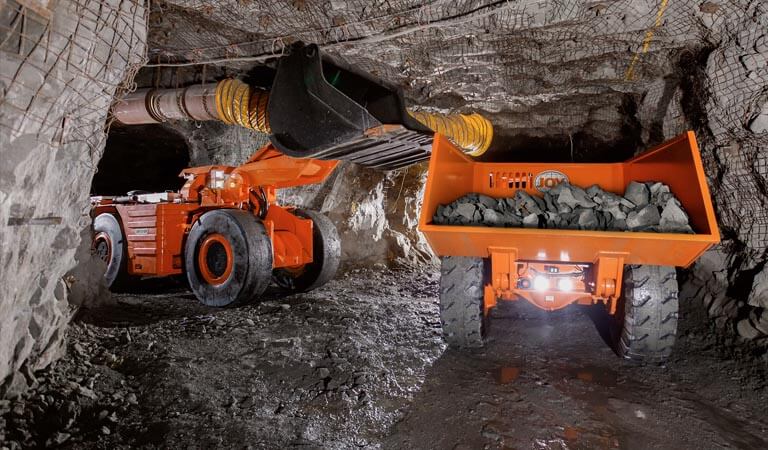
x=225 y=229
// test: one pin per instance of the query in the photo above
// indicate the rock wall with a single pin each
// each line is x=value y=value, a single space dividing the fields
x=375 y=213
x=61 y=67
x=730 y=112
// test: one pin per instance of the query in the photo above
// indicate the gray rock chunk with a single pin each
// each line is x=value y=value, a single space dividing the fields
x=638 y=194
x=552 y=219
x=466 y=210
x=549 y=201
x=646 y=217
x=526 y=204
x=588 y=220
x=595 y=191
x=673 y=218
x=582 y=198
x=531 y=221
x=615 y=211
x=659 y=193
x=566 y=198
x=488 y=202
x=573 y=196
x=619 y=225
x=491 y=217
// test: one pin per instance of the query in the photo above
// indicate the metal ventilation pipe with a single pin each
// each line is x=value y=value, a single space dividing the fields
x=230 y=101
x=236 y=103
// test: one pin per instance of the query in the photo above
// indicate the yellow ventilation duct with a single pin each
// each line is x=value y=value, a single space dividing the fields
x=472 y=132
x=239 y=104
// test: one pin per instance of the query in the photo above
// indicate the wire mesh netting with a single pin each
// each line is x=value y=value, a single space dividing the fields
x=60 y=65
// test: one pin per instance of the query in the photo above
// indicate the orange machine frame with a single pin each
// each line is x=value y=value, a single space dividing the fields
x=156 y=232
x=602 y=254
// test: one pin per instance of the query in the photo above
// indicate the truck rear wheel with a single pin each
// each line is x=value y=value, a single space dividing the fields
x=326 y=252
x=108 y=245
x=648 y=324
x=461 y=301
x=228 y=258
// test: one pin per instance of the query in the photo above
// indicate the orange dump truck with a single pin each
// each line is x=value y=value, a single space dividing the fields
x=631 y=273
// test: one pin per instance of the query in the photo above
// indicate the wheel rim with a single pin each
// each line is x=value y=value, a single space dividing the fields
x=215 y=259
x=102 y=247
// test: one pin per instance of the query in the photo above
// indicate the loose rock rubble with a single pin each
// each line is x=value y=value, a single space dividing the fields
x=647 y=207
x=333 y=368
x=80 y=400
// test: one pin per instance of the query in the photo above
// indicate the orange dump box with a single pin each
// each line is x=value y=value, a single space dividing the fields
x=590 y=262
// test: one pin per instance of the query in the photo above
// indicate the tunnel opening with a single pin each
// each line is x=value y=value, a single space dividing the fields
x=577 y=147
x=141 y=157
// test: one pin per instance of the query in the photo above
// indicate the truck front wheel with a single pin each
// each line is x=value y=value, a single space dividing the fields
x=461 y=301
x=326 y=254
x=228 y=258
x=647 y=326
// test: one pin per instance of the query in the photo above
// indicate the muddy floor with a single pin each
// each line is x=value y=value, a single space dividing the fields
x=360 y=364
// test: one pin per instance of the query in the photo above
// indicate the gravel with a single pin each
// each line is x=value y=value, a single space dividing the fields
x=646 y=207
x=332 y=368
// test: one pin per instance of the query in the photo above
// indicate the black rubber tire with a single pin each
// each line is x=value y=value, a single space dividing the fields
x=252 y=258
x=326 y=252
x=647 y=316
x=461 y=301
x=109 y=224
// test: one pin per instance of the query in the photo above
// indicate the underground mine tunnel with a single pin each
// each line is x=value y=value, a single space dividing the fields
x=405 y=225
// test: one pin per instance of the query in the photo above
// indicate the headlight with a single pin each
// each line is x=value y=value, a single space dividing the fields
x=540 y=283
x=565 y=284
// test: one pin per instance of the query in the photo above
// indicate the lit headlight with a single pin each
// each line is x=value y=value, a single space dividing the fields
x=565 y=284
x=540 y=283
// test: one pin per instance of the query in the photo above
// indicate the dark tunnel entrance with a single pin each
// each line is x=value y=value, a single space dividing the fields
x=141 y=157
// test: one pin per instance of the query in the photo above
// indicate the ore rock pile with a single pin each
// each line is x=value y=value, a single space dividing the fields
x=647 y=207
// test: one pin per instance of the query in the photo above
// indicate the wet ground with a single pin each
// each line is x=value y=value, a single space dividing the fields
x=548 y=381
x=360 y=364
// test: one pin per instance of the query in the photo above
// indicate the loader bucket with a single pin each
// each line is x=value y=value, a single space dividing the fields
x=676 y=163
x=324 y=109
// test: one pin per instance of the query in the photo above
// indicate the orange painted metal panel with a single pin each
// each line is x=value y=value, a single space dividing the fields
x=676 y=163
x=155 y=236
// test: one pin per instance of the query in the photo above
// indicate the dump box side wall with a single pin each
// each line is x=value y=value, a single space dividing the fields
x=677 y=163
x=452 y=175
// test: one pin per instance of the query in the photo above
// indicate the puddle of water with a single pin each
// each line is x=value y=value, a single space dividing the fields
x=508 y=374
x=594 y=374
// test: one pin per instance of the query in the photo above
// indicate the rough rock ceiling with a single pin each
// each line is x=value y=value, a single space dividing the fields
x=518 y=60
